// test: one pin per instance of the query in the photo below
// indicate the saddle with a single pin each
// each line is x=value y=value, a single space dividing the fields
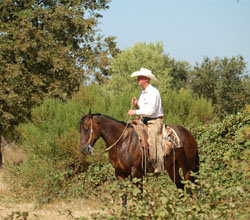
x=170 y=136
x=171 y=139
x=142 y=131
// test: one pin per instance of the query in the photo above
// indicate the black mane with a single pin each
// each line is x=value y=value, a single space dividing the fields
x=106 y=116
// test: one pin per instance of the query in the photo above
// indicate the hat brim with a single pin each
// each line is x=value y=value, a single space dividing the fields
x=139 y=73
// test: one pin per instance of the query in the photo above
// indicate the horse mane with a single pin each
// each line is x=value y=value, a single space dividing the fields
x=113 y=119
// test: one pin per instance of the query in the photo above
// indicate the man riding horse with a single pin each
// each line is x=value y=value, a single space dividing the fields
x=149 y=108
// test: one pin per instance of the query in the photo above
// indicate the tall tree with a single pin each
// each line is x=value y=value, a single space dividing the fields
x=204 y=78
x=132 y=59
x=178 y=70
x=231 y=94
x=47 y=49
x=224 y=81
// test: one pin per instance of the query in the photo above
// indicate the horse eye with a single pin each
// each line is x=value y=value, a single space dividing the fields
x=86 y=129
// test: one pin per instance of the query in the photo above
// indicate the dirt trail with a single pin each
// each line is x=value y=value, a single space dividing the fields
x=55 y=211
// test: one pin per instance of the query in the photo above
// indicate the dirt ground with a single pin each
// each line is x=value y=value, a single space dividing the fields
x=11 y=209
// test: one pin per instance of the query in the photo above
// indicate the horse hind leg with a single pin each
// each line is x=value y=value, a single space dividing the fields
x=173 y=172
x=197 y=165
x=187 y=170
x=182 y=161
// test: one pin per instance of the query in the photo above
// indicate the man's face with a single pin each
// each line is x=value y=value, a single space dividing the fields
x=142 y=80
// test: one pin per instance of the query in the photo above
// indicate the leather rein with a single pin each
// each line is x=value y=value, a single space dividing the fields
x=91 y=148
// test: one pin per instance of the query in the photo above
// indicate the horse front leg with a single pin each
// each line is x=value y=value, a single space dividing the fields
x=137 y=173
x=124 y=196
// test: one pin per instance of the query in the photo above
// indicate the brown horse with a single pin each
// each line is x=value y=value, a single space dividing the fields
x=125 y=153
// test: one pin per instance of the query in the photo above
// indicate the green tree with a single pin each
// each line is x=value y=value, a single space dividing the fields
x=246 y=87
x=231 y=93
x=224 y=81
x=47 y=49
x=132 y=59
x=204 y=78
x=178 y=70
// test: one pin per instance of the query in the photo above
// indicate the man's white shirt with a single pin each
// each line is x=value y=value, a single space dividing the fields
x=150 y=103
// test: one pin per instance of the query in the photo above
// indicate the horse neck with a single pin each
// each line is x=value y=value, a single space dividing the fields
x=111 y=129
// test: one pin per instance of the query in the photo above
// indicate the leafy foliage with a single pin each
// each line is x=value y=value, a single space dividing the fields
x=179 y=71
x=132 y=59
x=224 y=81
x=47 y=49
x=223 y=181
x=227 y=144
x=182 y=108
x=51 y=138
x=51 y=143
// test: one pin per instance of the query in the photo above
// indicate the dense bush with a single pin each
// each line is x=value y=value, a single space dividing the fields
x=181 y=108
x=53 y=164
x=223 y=187
x=51 y=144
x=226 y=146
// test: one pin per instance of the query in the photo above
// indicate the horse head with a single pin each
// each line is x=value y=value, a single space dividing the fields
x=88 y=136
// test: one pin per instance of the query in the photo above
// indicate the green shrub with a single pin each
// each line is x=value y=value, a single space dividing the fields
x=181 y=108
x=223 y=179
x=51 y=145
x=51 y=139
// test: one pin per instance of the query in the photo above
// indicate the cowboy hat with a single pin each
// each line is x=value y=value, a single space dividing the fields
x=144 y=72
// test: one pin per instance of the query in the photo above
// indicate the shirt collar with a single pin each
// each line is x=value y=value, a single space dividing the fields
x=147 y=89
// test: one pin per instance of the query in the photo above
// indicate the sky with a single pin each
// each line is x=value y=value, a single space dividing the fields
x=189 y=29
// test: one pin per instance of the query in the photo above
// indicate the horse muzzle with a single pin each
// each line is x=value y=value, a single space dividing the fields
x=88 y=149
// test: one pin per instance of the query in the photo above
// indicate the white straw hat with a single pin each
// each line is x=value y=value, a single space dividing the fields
x=144 y=72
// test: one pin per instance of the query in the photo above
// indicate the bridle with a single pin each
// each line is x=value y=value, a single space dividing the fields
x=91 y=148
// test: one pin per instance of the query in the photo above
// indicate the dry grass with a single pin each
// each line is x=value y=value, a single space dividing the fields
x=59 y=210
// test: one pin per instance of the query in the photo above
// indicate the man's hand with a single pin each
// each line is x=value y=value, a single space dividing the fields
x=131 y=112
x=134 y=101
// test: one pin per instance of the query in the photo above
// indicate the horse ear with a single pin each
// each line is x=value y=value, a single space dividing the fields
x=89 y=114
x=83 y=114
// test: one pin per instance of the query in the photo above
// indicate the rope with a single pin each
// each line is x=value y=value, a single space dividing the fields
x=144 y=153
x=174 y=163
x=107 y=149
x=144 y=159
x=174 y=142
